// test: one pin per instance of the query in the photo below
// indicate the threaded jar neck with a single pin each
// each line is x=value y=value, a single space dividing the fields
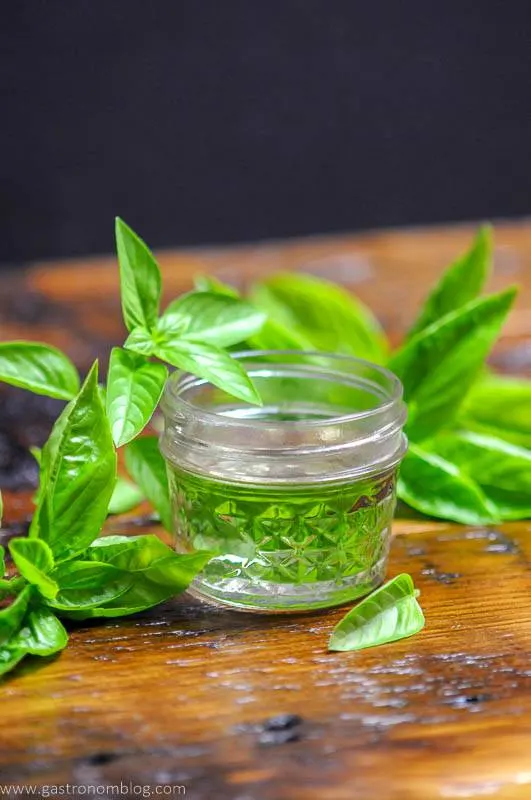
x=324 y=418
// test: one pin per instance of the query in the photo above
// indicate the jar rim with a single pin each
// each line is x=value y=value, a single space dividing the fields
x=180 y=381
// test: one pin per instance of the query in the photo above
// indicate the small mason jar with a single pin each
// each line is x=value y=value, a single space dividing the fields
x=294 y=498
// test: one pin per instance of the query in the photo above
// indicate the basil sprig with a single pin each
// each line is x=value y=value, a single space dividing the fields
x=189 y=334
x=65 y=569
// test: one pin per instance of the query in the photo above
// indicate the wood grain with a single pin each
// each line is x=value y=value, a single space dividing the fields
x=246 y=707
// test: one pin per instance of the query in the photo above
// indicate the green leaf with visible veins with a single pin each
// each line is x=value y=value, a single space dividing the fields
x=40 y=634
x=142 y=341
x=134 y=387
x=502 y=470
x=157 y=573
x=211 y=318
x=273 y=334
x=78 y=474
x=146 y=466
x=34 y=560
x=140 y=280
x=388 y=614
x=211 y=363
x=87 y=584
x=438 y=366
x=435 y=486
x=459 y=284
x=40 y=368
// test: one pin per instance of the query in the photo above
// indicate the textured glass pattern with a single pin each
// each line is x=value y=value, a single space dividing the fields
x=285 y=547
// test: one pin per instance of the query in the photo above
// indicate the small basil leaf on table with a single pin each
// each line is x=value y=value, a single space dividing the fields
x=435 y=486
x=134 y=387
x=211 y=318
x=87 y=584
x=11 y=617
x=438 y=365
x=34 y=560
x=40 y=368
x=388 y=614
x=209 y=283
x=140 y=280
x=327 y=315
x=459 y=284
x=146 y=466
x=126 y=496
x=78 y=474
x=501 y=406
x=501 y=469
x=211 y=363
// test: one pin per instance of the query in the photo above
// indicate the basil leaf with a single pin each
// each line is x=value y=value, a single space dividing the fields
x=159 y=581
x=9 y=658
x=38 y=367
x=11 y=617
x=141 y=341
x=388 y=614
x=324 y=313
x=438 y=366
x=502 y=470
x=211 y=318
x=148 y=469
x=134 y=387
x=276 y=335
x=126 y=496
x=34 y=560
x=211 y=363
x=500 y=406
x=273 y=334
x=460 y=283
x=140 y=281
x=130 y=553
x=2 y=556
x=40 y=635
x=436 y=486
x=77 y=475
x=36 y=452
x=87 y=584
x=8 y=587
x=209 y=283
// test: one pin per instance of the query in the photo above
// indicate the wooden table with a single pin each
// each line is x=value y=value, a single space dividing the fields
x=236 y=706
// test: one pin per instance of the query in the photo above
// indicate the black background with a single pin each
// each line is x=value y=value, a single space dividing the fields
x=223 y=121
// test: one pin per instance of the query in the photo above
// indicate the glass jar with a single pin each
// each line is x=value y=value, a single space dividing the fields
x=295 y=497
